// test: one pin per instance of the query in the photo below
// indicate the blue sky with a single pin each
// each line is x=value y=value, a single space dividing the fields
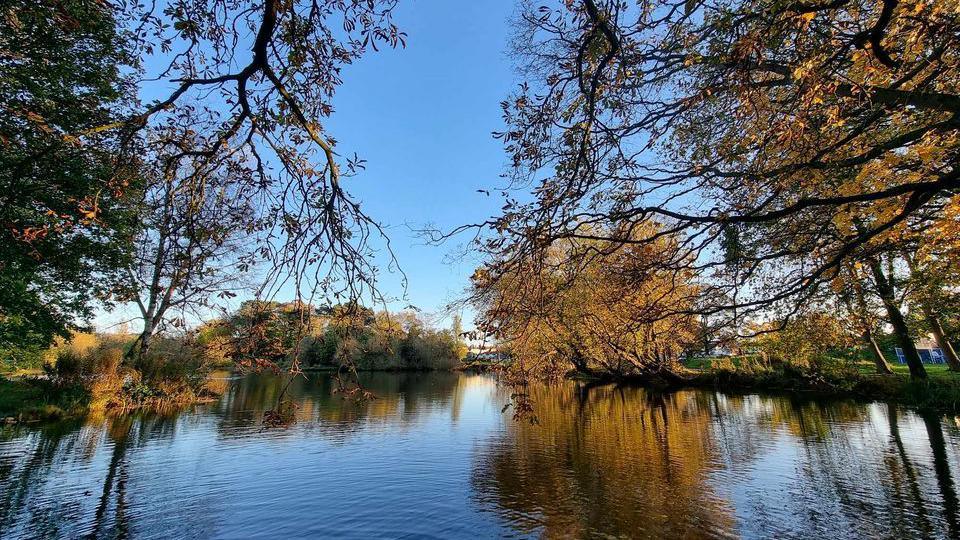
x=422 y=117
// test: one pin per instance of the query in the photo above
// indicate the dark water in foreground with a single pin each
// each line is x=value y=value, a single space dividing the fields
x=434 y=457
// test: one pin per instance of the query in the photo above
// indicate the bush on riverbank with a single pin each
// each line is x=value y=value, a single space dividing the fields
x=96 y=373
x=31 y=399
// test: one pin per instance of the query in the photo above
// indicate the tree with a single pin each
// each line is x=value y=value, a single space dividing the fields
x=196 y=236
x=753 y=122
x=267 y=334
x=805 y=340
x=65 y=212
x=886 y=290
x=931 y=275
x=854 y=298
x=456 y=329
x=623 y=312
x=252 y=81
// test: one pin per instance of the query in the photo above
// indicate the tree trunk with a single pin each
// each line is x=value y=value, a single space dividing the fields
x=579 y=363
x=937 y=329
x=862 y=312
x=900 y=329
x=705 y=328
x=883 y=367
x=145 y=336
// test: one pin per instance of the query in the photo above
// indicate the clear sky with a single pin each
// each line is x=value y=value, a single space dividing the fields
x=422 y=117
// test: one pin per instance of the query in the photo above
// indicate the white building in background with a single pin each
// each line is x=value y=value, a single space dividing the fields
x=930 y=353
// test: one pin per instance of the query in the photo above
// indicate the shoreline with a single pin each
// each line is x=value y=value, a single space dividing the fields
x=939 y=395
x=31 y=400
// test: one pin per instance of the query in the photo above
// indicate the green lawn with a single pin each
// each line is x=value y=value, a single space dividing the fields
x=933 y=370
x=865 y=366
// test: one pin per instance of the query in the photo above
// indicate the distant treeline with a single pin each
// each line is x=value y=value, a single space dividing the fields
x=275 y=333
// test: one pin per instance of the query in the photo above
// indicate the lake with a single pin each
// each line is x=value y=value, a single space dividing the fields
x=434 y=456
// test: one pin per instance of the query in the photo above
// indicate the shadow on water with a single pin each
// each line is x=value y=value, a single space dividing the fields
x=433 y=455
x=941 y=466
x=94 y=513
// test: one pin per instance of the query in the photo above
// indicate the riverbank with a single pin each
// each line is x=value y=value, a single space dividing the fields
x=937 y=393
x=31 y=400
x=940 y=392
x=33 y=397
x=36 y=399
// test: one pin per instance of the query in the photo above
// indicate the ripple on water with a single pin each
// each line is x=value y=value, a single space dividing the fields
x=433 y=457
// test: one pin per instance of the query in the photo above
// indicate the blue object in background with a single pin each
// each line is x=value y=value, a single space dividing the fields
x=927 y=356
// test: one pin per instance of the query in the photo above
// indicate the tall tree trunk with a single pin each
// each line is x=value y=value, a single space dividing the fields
x=579 y=362
x=862 y=312
x=900 y=329
x=883 y=367
x=937 y=329
x=145 y=337
x=705 y=328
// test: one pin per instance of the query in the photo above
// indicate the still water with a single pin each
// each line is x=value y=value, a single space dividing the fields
x=434 y=457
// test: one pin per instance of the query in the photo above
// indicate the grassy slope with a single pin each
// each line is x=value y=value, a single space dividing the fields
x=940 y=392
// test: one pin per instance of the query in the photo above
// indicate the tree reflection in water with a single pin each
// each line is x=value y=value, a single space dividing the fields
x=433 y=455
x=98 y=449
x=46 y=451
x=633 y=462
x=616 y=461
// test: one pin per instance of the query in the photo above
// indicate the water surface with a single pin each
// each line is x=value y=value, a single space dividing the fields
x=434 y=456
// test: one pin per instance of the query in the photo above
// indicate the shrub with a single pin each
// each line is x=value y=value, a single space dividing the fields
x=216 y=351
x=335 y=336
x=16 y=358
x=431 y=350
x=804 y=340
x=69 y=366
x=176 y=360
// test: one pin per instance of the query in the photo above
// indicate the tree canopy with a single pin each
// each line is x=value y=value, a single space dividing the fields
x=64 y=218
x=745 y=127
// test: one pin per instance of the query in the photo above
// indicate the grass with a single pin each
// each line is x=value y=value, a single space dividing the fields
x=22 y=372
x=96 y=381
x=933 y=370
x=708 y=362
x=29 y=399
x=939 y=392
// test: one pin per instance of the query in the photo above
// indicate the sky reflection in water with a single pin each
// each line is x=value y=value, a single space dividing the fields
x=434 y=457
